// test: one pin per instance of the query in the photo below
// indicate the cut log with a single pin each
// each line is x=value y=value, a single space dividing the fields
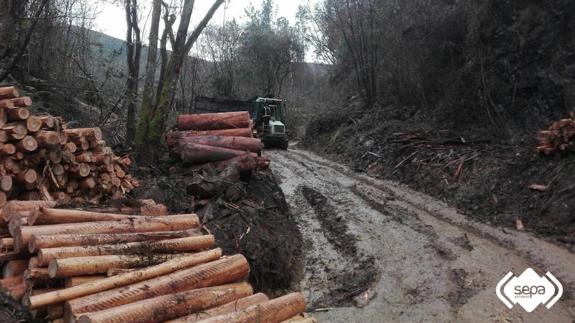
x=48 y=122
x=225 y=270
x=27 y=144
x=28 y=176
x=189 y=244
x=122 y=280
x=37 y=273
x=169 y=306
x=14 y=268
x=14 y=207
x=33 y=124
x=88 y=183
x=77 y=266
x=58 y=216
x=273 y=311
x=89 y=133
x=68 y=240
x=22 y=101
x=6 y=243
x=9 y=149
x=231 y=307
x=6 y=104
x=9 y=92
x=18 y=114
x=18 y=290
x=70 y=147
x=79 y=170
x=141 y=224
x=48 y=139
x=243 y=163
x=213 y=121
x=3 y=199
x=6 y=183
x=238 y=143
x=172 y=137
x=79 y=280
x=200 y=154
x=15 y=130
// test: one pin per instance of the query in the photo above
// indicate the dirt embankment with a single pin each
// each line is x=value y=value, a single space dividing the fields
x=249 y=217
x=488 y=180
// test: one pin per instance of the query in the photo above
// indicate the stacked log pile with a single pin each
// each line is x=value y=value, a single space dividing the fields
x=560 y=137
x=216 y=140
x=41 y=159
x=78 y=265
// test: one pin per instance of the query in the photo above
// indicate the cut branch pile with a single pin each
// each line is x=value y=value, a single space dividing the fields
x=560 y=137
x=216 y=140
x=77 y=265
x=40 y=159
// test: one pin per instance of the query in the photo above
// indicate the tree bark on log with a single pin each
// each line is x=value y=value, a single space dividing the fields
x=253 y=145
x=22 y=235
x=273 y=311
x=200 y=154
x=68 y=240
x=213 y=121
x=59 y=216
x=231 y=307
x=122 y=280
x=172 y=137
x=225 y=270
x=189 y=244
x=165 y=307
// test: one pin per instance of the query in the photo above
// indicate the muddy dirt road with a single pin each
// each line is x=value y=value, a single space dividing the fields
x=376 y=251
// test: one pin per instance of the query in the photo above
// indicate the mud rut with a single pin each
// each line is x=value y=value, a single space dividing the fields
x=376 y=251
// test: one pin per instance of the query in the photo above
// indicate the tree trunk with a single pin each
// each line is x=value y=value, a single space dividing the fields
x=134 y=50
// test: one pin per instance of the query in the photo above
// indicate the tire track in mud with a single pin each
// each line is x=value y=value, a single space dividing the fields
x=430 y=264
x=362 y=272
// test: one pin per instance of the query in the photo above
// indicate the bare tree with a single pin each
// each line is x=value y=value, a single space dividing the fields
x=153 y=116
x=134 y=52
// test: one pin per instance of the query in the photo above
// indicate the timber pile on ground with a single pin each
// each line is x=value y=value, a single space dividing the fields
x=216 y=140
x=75 y=265
x=40 y=159
x=560 y=137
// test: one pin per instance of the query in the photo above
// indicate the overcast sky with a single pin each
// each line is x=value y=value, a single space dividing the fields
x=111 y=19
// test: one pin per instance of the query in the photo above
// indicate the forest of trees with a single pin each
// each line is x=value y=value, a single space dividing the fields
x=442 y=56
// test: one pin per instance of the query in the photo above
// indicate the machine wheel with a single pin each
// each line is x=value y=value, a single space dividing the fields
x=284 y=144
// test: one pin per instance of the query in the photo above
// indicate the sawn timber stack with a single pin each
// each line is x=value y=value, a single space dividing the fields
x=41 y=159
x=77 y=265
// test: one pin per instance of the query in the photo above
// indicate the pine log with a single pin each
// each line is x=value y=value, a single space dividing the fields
x=238 y=143
x=33 y=263
x=15 y=130
x=188 y=244
x=14 y=268
x=77 y=266
x=28 y=176
x=225 y=270
x=14 y=207
x=18 y=114
x=88 y=183
x=6 y=243
x=9 y=149
x=80 y=170
x=58 y=216
x=22 y=101
x=6 y=104
x=231 y=307
x=141 y=224
x=48 y=139
x=6 y=183
x=36 y=273
x=3 y=199
x=200 y=154
x=68 y=240
x=213 y=121
x=70 y=147
x=17 y=290
x=33 y=124
x=172 y=137
x=79 y=280
x=48 y=122
x=301 y=318
x=165 y=307
x=27 y=144
x=89 y=133
x=273 y=311
x=122 y=280
x=9 y=92
x=243 y=163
